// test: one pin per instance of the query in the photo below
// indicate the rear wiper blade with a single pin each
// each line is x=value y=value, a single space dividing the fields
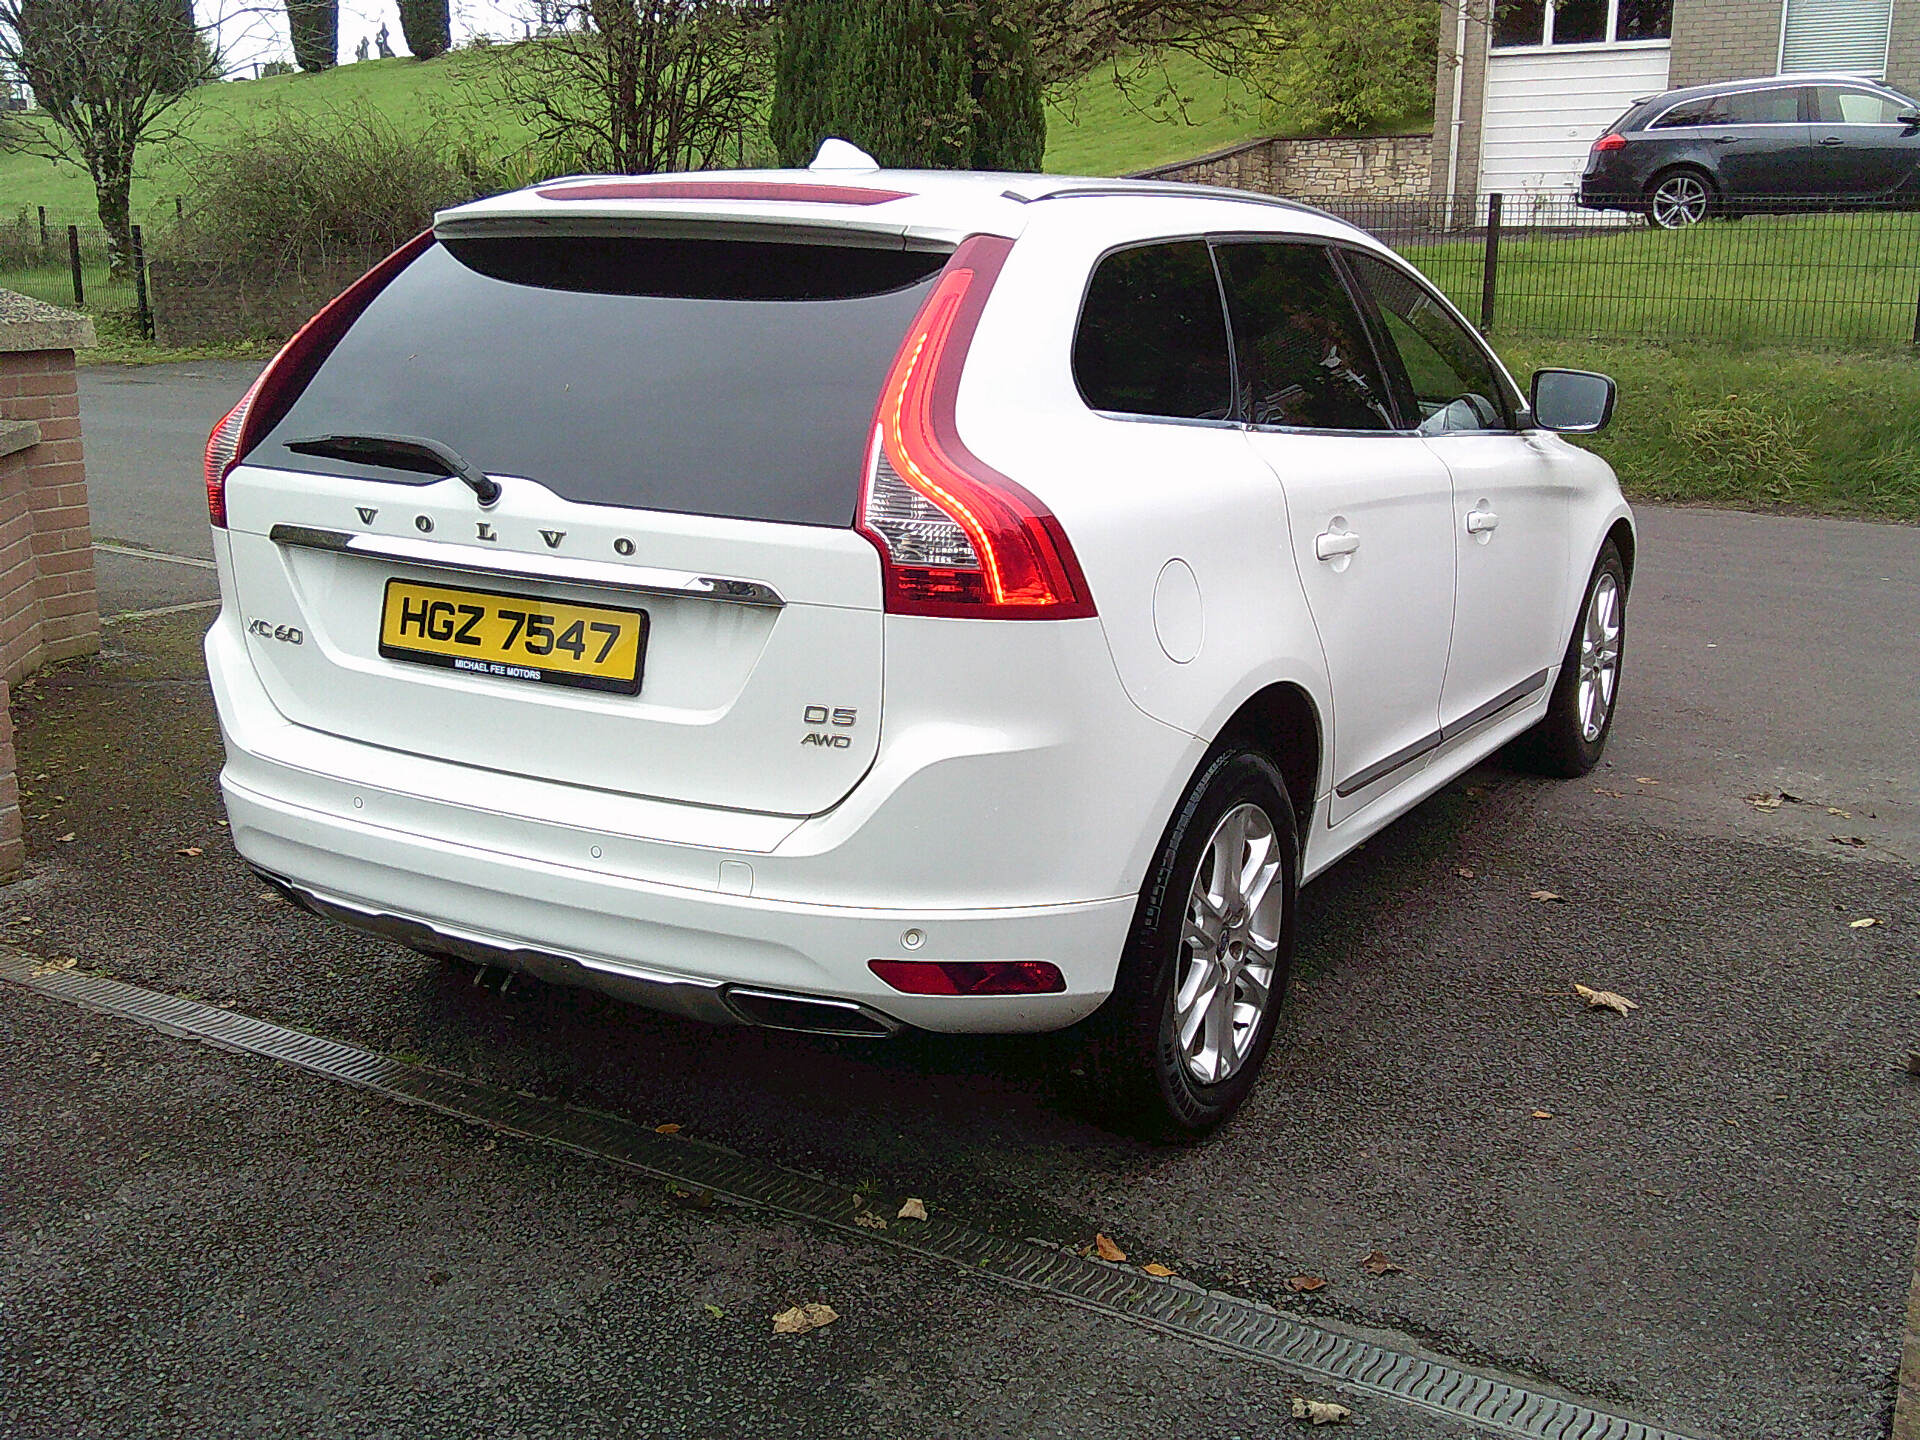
x=401 y=452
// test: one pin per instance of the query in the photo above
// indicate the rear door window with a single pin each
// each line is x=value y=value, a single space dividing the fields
x=1305 y=359
x=1761 y=107
x=705 y=377
x=1153 y=339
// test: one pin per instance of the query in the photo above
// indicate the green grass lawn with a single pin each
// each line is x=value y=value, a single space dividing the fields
x=1097 y=129
x=1828 y=433
x=1847 y=280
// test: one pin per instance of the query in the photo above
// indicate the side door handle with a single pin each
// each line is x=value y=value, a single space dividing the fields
x=1332 y=544
x=1482 y=522
x=1833 y=140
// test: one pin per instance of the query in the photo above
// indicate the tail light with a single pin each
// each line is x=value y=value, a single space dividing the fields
x=1612 y=141
x=970 y=977
x=956 y=537
x=270 y=397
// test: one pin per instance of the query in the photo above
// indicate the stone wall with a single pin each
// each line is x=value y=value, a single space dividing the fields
x=1360 y=167
x=48 y=610
x=200 y=302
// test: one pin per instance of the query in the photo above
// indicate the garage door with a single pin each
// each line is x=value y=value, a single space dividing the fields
x=1543 y=111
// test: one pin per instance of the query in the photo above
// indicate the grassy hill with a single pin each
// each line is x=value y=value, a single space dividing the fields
x=1097 y=130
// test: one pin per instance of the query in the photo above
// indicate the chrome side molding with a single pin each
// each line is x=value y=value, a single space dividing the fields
x=524 y=565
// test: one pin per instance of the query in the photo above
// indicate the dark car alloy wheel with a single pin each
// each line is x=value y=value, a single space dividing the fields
x=1679 y=199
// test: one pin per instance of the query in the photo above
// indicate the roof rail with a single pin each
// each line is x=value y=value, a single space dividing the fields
x=1181 y=190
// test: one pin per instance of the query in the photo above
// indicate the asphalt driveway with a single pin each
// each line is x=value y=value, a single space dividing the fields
x=1702 y=1212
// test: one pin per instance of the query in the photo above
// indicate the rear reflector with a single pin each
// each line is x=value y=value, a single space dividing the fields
x=1610 y=142
x=956 y=537
x=270 y=396
x=970 y=977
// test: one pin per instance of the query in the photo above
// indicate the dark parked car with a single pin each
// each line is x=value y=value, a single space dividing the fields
x=1816 y=142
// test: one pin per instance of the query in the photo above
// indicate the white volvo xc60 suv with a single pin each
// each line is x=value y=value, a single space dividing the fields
x=845 y=599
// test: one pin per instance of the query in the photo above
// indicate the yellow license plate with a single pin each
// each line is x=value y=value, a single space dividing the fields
x=515 y=637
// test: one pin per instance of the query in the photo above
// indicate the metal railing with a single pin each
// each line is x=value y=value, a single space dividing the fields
x=1786 y=271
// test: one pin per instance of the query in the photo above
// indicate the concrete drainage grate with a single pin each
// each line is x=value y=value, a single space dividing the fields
x=1223 y=1322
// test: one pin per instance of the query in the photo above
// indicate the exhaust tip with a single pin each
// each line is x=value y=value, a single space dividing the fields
x=771 y=1010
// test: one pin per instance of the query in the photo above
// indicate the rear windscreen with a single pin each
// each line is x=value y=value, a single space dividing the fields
x=708 y=377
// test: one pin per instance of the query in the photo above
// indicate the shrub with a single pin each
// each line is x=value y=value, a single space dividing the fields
x=305 y=188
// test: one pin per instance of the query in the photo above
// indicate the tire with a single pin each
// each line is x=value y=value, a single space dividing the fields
x=1134 y=1073
x=1570 y=738
x=1680 y=197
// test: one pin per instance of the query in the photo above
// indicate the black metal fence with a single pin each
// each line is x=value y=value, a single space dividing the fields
x=1788 y=272
x=70 y=260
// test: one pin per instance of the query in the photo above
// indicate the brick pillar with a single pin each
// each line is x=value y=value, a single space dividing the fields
x=48 y=610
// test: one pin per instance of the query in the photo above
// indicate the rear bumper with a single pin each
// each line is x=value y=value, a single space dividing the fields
x=679 y=908
x=663 y=946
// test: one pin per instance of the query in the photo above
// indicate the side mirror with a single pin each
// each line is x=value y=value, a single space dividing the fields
x=1573 y=402
x=1911 y=121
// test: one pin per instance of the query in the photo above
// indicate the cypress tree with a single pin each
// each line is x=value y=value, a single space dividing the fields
x=933 y=84
x=427 y=26
x=314 y=27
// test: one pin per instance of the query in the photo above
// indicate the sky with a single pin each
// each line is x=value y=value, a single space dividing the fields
x=253 y=33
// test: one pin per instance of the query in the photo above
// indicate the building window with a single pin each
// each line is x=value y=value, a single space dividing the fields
x=1521 y=23
x=1845 y=35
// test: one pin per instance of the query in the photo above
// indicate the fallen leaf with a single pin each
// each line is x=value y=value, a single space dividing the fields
x=714 y=1312
x=1157 y=1270
x=66 y=839
x=802 y=1318
x=1791 y=798
x=1463 y=872
x=1854 y=840
x=867 y=1220
x=1764 y=802
x=1864 y=923
x=1645 y=780
x=668 y=1129
x=1320 y=1412
x=1471 y=789
x=53 y=967
x=1542 y=1115
x=1602 y=790
x=1836 y=810
x=1378 y=1264
x=189 y=850
x=1107 y=1250
x=1305 y=1284
x=1605 y=1000
x=1548 y=895
x=912 y=1210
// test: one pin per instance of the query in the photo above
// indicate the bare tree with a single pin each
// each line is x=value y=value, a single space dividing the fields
x=107 y=73
x=635 y=86
x=1073 y=38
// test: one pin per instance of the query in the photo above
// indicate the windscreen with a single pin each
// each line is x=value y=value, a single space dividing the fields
x=707 y=377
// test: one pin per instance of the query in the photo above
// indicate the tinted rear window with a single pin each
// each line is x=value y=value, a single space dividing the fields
x=707 y=377
x=1153 y=338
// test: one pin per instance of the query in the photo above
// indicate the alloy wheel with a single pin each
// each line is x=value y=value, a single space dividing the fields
x=1230 y=945
x=1599 y=655
x=1680 y=200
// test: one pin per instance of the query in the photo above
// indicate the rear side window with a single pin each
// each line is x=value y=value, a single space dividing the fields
x=1152 y=338
x=1691 y=112
x=706 y=377
x=1304 y=357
